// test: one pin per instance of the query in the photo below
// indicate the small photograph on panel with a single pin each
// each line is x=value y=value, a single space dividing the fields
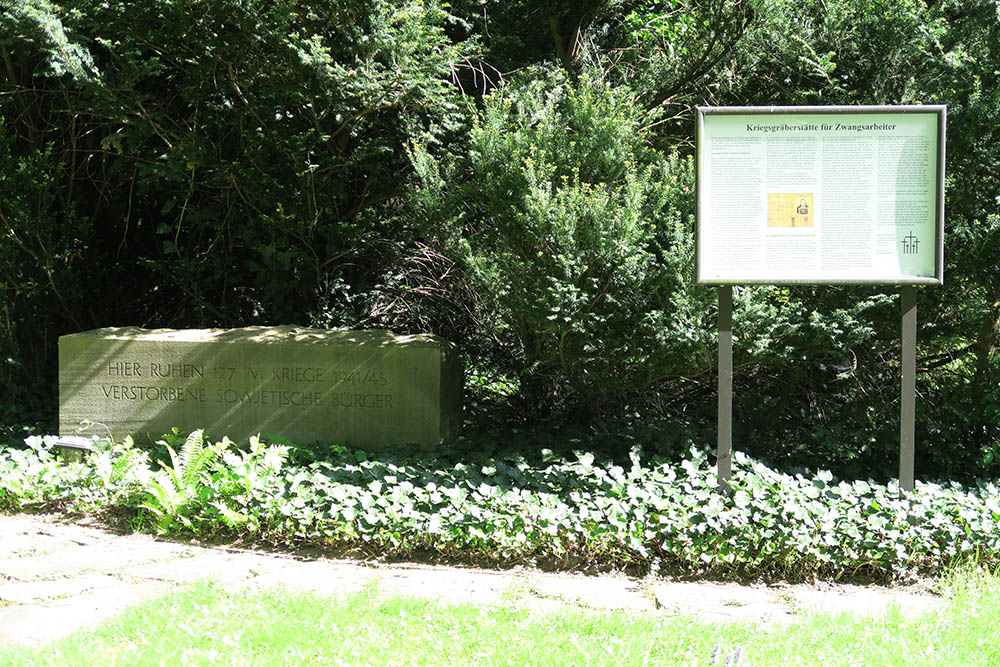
x=790 y=209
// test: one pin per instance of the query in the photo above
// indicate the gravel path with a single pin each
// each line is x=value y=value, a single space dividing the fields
x=57 y=577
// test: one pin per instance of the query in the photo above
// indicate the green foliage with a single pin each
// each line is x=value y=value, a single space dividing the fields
x=252 y=488
x=837 y=52
x=40 y=268
x=580 y=237
x=32 y=476
x=174 y=488
x=572 y=509
x=38 y=23
x=675 y=52
x=217 y=163
x=512 y=175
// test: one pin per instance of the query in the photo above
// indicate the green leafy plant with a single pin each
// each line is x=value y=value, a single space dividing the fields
x=250 y=488
x=565 y=507
x=121 y=468
x=176 y=486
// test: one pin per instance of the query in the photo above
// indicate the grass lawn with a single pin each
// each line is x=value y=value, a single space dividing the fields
x=210 y=624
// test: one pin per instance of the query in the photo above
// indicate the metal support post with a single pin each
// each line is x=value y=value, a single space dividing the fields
x=908 y=390
x=724 y=462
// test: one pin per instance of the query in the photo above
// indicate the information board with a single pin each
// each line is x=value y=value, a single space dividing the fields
x=820 y=195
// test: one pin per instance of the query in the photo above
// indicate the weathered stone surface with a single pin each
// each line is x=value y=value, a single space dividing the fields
x=366 y=389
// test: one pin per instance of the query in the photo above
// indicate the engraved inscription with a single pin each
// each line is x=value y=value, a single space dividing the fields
x=362 y=389
x=357 y=388
x=373 y=377
x=269 y=397
x=167 y=370
x=124 y=369
x=151 y=393
x=343 y=400
x=296 y=374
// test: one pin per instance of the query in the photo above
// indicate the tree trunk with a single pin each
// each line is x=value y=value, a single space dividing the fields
x=567 y=21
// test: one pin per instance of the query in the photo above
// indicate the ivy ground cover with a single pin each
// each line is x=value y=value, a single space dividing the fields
x=568 y=509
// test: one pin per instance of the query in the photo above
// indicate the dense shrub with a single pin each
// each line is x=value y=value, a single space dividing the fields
x=578 y=235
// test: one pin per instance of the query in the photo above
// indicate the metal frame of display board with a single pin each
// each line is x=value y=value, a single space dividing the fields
x=907 y=282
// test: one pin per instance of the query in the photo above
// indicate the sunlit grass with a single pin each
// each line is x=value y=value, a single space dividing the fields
x=211 y=624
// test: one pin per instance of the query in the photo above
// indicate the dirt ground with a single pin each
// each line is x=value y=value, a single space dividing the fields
x=57 y=577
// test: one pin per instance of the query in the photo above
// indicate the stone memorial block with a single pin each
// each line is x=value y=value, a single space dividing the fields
x=365 y=389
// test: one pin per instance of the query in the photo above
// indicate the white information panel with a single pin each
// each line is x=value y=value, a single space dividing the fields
x=820 y=195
